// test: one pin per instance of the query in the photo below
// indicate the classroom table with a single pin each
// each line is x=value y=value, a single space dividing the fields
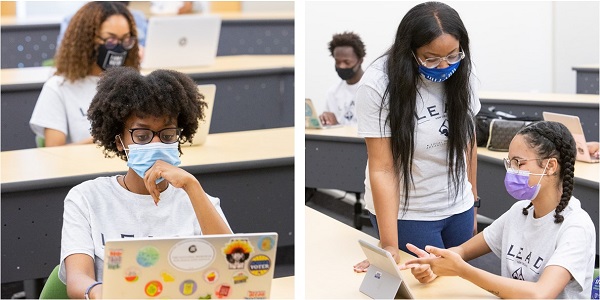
x=253 y=92
x=29 y=42
x=336 y=159
x=251 y=172
x=586 y=107
x=282 y=288
x=332 y=249
x=587 y=79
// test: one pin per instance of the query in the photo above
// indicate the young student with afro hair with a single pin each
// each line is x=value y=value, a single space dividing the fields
x=142 y=120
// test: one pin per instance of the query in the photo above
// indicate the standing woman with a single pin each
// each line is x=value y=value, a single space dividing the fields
x=100 y=35
x=416 y=106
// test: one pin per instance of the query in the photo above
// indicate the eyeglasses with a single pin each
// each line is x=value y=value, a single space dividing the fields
x=112 y=42
x=143 y=136
x=515 y=163
x=433 y=62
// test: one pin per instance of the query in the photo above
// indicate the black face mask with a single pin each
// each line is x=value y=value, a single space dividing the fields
x=346 y=73
x=111 y=58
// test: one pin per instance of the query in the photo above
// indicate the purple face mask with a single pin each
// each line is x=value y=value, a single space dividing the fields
x=517 y=184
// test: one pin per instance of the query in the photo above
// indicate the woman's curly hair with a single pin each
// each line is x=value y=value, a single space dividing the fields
x=553 y=140
x=78 y=50
x=123 y=92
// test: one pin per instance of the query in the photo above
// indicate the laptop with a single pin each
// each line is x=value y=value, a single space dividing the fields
x=232 y=266
x=311 y=118
x=383 y=279
x=181 y=41
x=574 y=125
x=209 y=91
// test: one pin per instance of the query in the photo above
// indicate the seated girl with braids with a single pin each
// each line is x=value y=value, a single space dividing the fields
x=546 y=242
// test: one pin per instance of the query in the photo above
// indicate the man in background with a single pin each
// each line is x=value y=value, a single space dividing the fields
x=348 y=50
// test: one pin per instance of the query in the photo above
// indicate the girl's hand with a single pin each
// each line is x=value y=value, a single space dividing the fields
x=442 y=262
x=176 y=176
x=422 y=272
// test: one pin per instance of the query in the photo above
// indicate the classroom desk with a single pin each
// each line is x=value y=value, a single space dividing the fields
x=252 y=172
x=29 y=42
x=253 y=92
x=495 y=200
x=282 y=288
x=333 y=250
x=533 y=104
x=336 y=158
x=587 y=79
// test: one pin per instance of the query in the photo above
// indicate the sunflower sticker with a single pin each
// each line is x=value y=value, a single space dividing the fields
x=237 y=251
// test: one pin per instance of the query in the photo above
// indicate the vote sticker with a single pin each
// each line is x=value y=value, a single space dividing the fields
x=147 y=256
x=259 y=265
x=153 y=288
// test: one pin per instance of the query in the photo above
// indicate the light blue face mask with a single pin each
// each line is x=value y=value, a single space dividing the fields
x=142 y=157
x=439 y=75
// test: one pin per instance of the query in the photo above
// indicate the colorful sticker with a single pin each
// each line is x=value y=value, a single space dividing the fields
x=266 y=243
x=222 y=291
x=237 y=251
x=167 y=277
x=191 y=255
x=211 y=276
x=113 y=261
x=153 y=288
x=240 y=277
x=259 y=265
x=147 y=256
x=188 y=287
x=256 y=295
x=132 y=274
x=207 y=296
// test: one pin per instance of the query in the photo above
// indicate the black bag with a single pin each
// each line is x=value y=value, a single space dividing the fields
x=484 y=118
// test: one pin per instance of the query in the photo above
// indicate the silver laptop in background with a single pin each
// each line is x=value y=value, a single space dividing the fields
x=383 y=279
x=208 y=91
x=574 y=125
x=181 y=41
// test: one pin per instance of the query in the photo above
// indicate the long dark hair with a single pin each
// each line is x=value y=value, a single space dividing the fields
x=420 y=26
x=553 y=139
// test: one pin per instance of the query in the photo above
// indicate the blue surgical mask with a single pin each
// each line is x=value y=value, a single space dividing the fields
x=438 y=75
x=142 y=157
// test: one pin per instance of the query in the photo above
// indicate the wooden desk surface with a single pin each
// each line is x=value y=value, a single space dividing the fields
x=221 y=148
x=332 y=249
x=234 y=63
x=282 y=288
x=344 y=131
x=583 y=170
x=539 y=97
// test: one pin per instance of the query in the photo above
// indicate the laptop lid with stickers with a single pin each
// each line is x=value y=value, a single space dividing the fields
x=311 y=118
x=231 y=266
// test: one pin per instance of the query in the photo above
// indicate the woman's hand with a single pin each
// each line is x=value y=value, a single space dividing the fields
x=422 y=272
x=443 y=262
x=176 y=176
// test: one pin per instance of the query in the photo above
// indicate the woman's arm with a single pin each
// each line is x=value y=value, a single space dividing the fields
x=208 y=217
x=53 y=137
x=80 y=275
x=472 y=177
x=384 y=185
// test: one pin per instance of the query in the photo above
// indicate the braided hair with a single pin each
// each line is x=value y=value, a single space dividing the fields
x=553 y=140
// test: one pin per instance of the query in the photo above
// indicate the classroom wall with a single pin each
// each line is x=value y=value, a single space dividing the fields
x=516 y=46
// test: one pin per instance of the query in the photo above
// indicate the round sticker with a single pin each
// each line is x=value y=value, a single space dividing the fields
x=266 y=243
x=211 y=276
x=191 y=255
x=132 y=274
x=153 y=288
x=259 y=265
x=147 y=256
x=188 y=287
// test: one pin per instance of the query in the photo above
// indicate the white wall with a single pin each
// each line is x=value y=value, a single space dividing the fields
x=516 y=46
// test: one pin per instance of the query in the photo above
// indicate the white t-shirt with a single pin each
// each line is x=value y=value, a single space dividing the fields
x=526 y=245
x=63 y=105
x=430 y=199
x=101 y=209
x=340 y=101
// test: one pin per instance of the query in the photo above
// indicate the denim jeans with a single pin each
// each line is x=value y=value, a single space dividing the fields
x=445 y=233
